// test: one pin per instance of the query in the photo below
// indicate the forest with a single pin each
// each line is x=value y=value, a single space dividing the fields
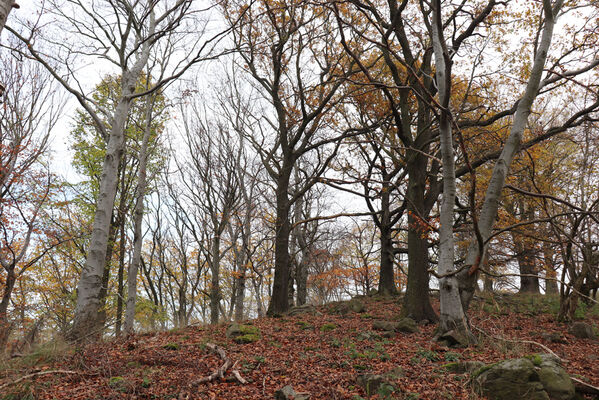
x=185 y=177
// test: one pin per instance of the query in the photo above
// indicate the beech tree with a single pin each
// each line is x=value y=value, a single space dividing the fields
x=124 y=35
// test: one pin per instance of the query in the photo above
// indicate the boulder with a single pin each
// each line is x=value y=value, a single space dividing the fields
x=383 y=325
x=539 y=377
x=455 y=338
x=553 y=337
x=463 y=367
x=582 y=330
x=378 y=384
x=287 y=393
x=243 y=333
x=407 y=325
x=305 y=309
x=357 y=306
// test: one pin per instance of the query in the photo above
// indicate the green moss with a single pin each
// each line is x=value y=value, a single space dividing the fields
x=248 y=338
x=328 y=327
x=171 y=346
x=535 y=358
x=481 y=370
x=304 y=325
x=452 y=366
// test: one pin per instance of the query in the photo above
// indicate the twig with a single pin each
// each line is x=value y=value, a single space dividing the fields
x=57 y=371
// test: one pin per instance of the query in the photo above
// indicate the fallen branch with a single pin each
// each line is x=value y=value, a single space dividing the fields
x=57 y=371
x=547 y=349
x=585 y=388
x=222 y=370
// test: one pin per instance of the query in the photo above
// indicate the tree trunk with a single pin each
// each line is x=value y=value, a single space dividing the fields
x=215 y=280
x=417 y=303
x=121 y=273
x=386 y=272
x=279 y=298
x=468 y=276
x=86 y=324
x=452 y=314
x=102 y=315
x=138 y=214
x=5 y=8
x=5 y=325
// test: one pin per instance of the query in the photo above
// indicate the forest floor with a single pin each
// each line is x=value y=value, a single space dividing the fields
x=319 y=354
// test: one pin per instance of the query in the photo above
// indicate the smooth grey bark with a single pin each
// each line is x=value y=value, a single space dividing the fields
x=137 y=221
x=452 y=314
x=469 y=276
x=6 y=7
x=86 y=323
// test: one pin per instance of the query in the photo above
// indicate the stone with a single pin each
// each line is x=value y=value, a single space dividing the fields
x=462 y=367
x=287 y=393
x=538 y=377
x=357 y=306
x=243 y=333
x=371 y=383
x=407 y=325
x=304 y=309
x=383 y=325
x=553 y=337
x=582 y=330
x=555 y=380
x=454 y=338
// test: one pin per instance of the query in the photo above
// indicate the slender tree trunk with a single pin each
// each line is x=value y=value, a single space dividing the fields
x=138 y=214
x=452 y=315
x=386 y=272
x=215 y=281
x=121 y=273
x=468 y=276
x=550 y=274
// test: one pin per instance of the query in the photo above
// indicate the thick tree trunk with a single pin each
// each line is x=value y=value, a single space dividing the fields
x=5 y=8
x=107 y=269
x=417 y=303
x=5 y=324
x=279 y=298
x=468 y=276
x=86 y=324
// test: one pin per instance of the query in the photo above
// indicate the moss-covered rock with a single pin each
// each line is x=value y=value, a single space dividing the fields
x=383 y=325
x=462 y=367
x=539 y=377
x=407 y=325
x=243 y=333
